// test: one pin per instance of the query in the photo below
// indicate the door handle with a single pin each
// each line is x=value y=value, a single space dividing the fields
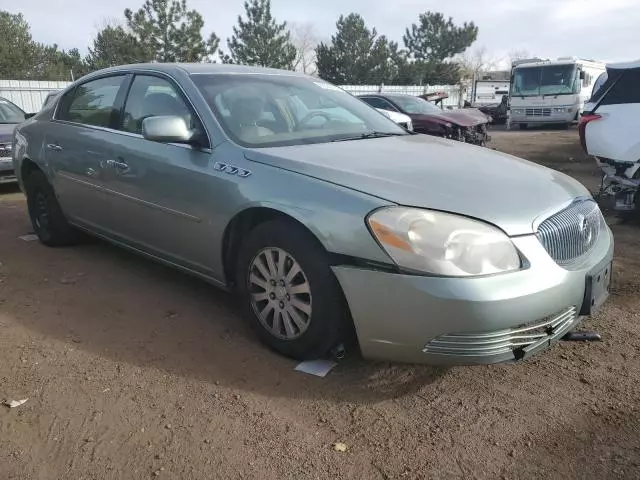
x=120 y=166
x=54 y=146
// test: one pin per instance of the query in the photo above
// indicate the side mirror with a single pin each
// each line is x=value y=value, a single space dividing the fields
x=167 y=129
x=582 y=76
x=29 y=115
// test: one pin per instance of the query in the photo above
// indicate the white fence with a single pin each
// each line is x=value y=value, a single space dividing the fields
x=457 y=93
x=29 y=95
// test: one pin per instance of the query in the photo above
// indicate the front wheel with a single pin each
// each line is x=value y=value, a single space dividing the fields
x=524 y=126
x=290 y=294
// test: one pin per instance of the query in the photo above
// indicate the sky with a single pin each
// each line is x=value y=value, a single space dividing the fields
x=605 y=30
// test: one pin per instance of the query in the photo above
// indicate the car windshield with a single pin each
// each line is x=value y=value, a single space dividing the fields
x=546 y=80
x=415 y=105
x=9 y=113
x=281 y=110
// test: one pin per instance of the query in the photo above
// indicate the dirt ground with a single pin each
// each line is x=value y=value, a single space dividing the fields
x=134 y=371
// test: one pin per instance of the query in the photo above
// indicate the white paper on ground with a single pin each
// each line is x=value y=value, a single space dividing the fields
x=15 y=403
x=32 y=237
x=319 y=368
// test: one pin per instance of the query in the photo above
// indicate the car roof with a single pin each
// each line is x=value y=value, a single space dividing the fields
x=198 y=69
x=624 y=65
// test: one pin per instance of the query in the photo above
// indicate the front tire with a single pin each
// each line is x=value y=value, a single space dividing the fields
x=46 y=215
x=523 y=126
x=289 y=292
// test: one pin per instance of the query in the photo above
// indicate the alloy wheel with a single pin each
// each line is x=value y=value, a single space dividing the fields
x=280 y=294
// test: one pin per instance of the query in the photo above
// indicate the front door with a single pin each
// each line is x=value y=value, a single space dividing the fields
x=159 y=191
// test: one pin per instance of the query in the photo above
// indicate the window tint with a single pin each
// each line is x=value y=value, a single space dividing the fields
x=92 y=103
x=377 y=102
x=151 y=97
x=625 y=90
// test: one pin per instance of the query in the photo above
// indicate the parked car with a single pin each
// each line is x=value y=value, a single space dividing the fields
x=609 y=132
x=400 y=118
x=10 y=116
x=427 y=118
x=497 y=112
x=324 y=216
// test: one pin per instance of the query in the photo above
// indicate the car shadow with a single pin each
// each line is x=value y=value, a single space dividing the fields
x=118 y=305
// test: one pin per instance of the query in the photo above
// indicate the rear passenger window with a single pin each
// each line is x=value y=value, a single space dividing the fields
x=153 y=96
x=92 y=103
x=625 y=90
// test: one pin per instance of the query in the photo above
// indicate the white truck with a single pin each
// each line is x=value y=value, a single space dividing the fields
x=551 y=91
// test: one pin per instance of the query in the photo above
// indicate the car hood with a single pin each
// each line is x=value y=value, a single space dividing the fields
x=6 y=131
x=430 y=172
x=465 y=117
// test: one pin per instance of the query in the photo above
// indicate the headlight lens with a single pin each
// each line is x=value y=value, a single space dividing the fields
x=517 y=111
x=560 y=110
x=442 y=243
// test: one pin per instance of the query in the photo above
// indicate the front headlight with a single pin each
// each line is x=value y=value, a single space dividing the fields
x=517 y=111
x=442 y=243
x=560 y=110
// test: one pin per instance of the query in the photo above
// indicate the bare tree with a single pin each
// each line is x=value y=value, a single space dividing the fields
x=473 y=63
x=305 y=39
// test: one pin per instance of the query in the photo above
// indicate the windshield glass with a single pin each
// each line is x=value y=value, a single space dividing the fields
x=415 y=105
x=9 y=113
x=546 y=80
x=281 y=110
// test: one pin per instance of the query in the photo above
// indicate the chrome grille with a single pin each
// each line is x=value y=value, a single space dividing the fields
x=5 y=150
x=571 y=233
x=499 y=342
x=538 y=112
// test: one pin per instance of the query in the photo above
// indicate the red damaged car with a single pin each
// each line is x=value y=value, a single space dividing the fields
x=465 y=125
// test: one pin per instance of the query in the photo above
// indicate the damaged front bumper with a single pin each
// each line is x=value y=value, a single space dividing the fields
x=619 y=187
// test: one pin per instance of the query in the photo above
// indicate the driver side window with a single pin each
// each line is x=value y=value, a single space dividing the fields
x=152 y=96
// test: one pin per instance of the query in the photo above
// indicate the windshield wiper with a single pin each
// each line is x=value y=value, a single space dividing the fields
x=366 y=135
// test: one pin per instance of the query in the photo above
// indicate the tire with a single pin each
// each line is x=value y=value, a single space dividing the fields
x=322 y=321
x=46 y=215
x=523 y=126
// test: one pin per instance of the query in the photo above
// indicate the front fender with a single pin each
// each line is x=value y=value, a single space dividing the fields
x=334 y=214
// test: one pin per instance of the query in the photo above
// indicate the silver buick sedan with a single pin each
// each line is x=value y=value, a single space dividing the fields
x=322 y=214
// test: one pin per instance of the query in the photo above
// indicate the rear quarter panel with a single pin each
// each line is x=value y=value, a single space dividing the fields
x=615 y=135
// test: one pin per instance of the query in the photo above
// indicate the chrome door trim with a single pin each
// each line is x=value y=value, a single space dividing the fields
x=133 y=199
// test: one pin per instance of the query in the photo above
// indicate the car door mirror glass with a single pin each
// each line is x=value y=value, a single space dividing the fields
x=167 y=129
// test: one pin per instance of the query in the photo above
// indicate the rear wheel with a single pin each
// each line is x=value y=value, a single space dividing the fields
x=289 y=292
x=523 y=126
x=45 y=212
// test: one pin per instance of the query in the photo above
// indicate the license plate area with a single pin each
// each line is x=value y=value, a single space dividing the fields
x=596 y=291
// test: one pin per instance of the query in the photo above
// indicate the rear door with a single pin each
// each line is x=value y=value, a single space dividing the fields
x=616 y=135
x=78 y=144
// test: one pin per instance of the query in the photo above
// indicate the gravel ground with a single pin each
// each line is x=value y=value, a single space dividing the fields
x=134 y=371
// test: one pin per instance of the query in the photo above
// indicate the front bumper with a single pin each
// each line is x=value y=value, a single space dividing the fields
x=417 y=319
x=543 y=116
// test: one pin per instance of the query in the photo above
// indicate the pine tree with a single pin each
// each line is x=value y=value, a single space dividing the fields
x=260 y=40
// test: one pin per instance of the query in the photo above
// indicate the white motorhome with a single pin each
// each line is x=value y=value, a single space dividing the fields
x=551 y=91
x=489 y=92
